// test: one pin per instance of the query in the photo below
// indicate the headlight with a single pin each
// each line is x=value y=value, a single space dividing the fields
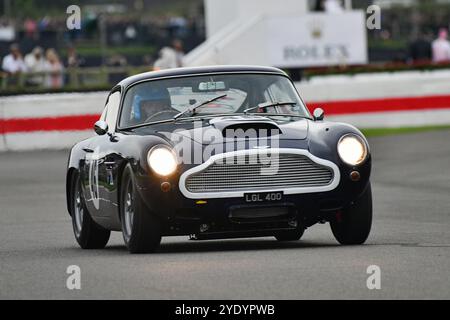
x=162 y=160
x=352 y=149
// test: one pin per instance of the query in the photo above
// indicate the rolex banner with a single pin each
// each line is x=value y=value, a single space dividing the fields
x=318 y=39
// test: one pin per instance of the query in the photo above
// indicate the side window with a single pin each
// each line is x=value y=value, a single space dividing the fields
x=111 y=109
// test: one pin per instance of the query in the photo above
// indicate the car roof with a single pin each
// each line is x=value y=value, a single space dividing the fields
x=197 y=71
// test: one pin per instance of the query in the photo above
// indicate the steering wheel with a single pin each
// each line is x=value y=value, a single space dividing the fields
x=160 y=112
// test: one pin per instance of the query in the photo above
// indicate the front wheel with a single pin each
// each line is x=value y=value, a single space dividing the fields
x=352 y=226
x=88 y=234
x=141 y=229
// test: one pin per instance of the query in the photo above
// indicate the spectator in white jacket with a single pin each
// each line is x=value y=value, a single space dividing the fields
x=167 y=59
x=35 y=63
x=13 y=63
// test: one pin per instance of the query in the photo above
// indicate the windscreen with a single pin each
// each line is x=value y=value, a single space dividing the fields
x=157 y=100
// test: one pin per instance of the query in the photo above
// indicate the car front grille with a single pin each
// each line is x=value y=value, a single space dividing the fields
x=245 y=173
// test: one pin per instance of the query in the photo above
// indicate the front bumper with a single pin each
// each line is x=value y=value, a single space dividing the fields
x=186 y=216
x=182 y=215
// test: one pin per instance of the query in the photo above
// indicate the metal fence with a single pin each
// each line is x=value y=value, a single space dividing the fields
x=73 y=78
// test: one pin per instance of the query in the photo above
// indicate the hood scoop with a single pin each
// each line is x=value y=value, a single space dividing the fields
x=246 y=126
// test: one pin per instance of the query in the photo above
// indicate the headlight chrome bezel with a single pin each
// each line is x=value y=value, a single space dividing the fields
x=153 y=167
x=364 y=145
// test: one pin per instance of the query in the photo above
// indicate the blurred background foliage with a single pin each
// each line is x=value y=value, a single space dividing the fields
x=129 y=34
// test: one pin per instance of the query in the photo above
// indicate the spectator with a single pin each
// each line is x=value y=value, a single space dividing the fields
x=130 y=33
x=35 y=62
x=13 y=63
x=30 y=27
x=319 y=5
x=179 y=52
x=177 y=27
x=7 y=31
x=117 y=60
x=73 y=60
x=167 y=59
x=147 y=60
x=420 y=49
x=54 y=68
x=441 y=47
x=333 y=6
x=170 y=57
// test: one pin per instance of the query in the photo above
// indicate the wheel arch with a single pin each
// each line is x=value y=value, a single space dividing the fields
x=120 y=171
x=71 y=173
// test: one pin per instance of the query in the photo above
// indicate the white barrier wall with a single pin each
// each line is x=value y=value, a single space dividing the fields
x=52 y=104
x=2 y=136
x=379 y=85
x=2 y=143
x=48 y=121
x=426 y=98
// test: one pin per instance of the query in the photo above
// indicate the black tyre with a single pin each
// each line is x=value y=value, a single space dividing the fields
x=291 y=235
x=88 y=234
x=354 y=224
x=141 y=229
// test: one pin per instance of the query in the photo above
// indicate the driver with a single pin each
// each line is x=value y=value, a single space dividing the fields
x=149 y=101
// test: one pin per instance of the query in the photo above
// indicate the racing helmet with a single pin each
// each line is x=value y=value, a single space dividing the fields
x=149 y=99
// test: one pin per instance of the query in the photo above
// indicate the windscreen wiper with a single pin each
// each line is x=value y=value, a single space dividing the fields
x=195 y=107
x=280 y=115
x=269 y=104
x=145 y=124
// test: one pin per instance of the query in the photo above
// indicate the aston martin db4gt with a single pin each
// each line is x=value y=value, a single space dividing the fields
x=216 y=152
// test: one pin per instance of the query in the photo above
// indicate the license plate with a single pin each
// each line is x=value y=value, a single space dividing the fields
x=263 y=196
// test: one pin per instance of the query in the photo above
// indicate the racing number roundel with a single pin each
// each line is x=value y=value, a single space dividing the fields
x=93 y=177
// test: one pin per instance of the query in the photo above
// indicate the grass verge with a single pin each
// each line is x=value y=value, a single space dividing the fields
x=378 y=132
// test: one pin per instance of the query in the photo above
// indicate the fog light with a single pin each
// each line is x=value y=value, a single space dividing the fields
x=204 y=227
x=166 y=186
x=355 y=176
x=293 y=223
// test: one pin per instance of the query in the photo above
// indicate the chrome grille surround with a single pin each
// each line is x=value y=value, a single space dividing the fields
x=232 y=174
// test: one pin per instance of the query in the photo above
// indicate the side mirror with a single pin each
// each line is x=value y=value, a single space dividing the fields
x=318 y=114
x=101 y=127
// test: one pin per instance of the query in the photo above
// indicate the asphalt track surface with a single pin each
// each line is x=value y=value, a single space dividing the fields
x=410 y=241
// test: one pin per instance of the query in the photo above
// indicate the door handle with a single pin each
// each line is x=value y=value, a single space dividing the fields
x=109 y=164
x=88 y=150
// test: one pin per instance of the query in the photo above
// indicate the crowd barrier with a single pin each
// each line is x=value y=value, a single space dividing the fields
x=48 y=121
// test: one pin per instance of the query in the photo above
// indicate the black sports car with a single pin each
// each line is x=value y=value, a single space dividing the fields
x=216 y=152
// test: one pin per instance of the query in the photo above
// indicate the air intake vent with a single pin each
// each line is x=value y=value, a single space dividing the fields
x=239 y=174
x=251 y=130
